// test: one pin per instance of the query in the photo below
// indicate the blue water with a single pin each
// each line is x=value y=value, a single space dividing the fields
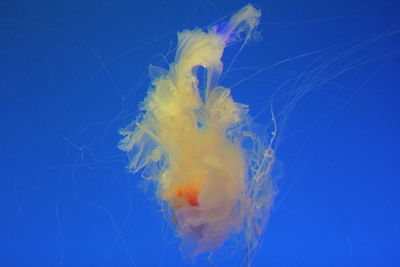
x=72 y=74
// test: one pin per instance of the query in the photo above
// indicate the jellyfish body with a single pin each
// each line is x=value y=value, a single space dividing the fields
x=209 y=166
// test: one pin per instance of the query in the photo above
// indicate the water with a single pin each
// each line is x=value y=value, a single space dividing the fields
x=73 y=74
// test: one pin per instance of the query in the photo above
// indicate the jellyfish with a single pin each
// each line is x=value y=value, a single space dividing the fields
x=211 y=164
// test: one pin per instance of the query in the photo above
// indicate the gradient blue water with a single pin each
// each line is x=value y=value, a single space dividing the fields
x=72 y=74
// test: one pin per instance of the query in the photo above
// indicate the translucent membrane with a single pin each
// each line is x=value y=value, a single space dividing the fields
x=211 y=168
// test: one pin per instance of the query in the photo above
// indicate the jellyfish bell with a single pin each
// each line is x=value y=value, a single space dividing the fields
x=211 y=168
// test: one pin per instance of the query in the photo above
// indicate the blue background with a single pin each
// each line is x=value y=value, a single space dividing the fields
x=73 y=73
